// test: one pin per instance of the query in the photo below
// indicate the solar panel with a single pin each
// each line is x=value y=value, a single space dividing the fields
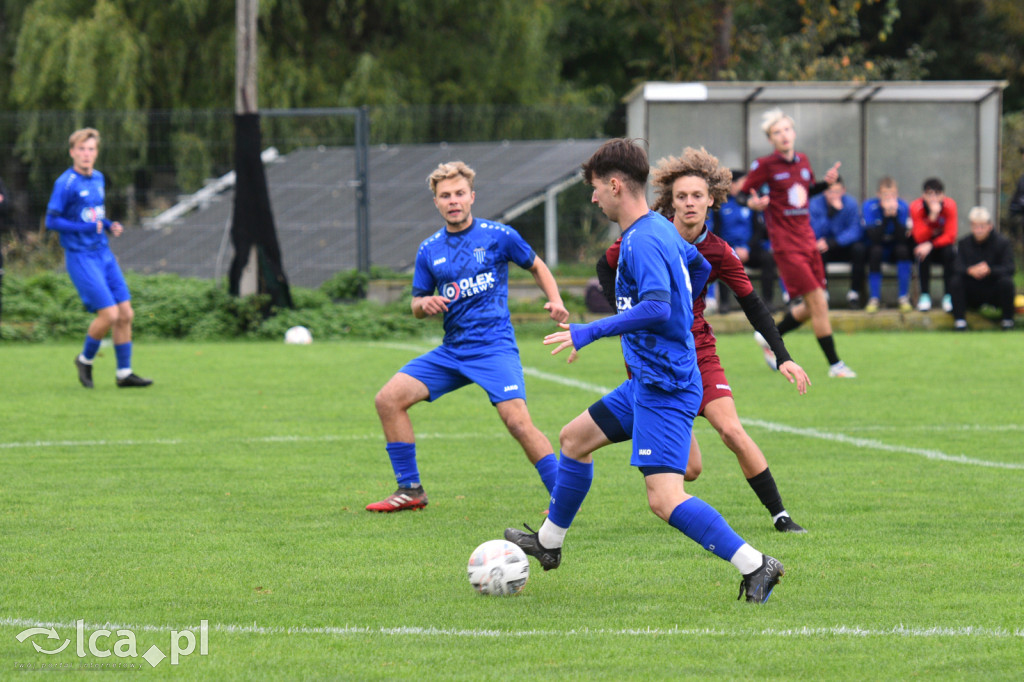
x=313 y=198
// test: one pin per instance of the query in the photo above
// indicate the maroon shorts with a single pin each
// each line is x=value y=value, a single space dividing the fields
x=801 y=271
x=712 y=376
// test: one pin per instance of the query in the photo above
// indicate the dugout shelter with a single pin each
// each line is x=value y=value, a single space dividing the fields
x=908 y=130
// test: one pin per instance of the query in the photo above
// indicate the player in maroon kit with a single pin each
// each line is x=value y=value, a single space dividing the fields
x=790 y=182
x=686 y=188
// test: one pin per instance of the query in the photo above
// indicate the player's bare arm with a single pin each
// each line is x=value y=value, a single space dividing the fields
x=546 y=281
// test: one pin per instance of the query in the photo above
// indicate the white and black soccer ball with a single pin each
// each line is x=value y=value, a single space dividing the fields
x=498 y=567
x=298 y=336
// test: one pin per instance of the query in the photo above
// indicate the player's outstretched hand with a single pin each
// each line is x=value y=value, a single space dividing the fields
x=832 y=174
x=795 y=374
x=563 y=339
x=557 y=311
x=756 y=203
x=116 y=228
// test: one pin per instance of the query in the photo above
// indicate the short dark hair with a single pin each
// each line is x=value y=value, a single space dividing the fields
x=934 y=185
x=622 y=156
x=738 y=173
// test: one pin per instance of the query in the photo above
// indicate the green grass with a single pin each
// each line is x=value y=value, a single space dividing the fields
x=232 y=491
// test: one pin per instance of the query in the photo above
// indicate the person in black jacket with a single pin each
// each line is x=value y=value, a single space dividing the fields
x=983 y=271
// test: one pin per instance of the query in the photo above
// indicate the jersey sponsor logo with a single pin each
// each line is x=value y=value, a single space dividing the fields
x=511 y=387
x=442 y=259
x=643 y=451
x=781 y=176
x=797 y=196
x=468 y=286
x=480 y=253
x=93 y=214
x=805 y=174
x=83 y=193
x=723 y=387
x=623 y=303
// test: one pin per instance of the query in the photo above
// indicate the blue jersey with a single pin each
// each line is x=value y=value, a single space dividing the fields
x=735 y=224
x=874 y=217
x=843 y=226
x=655 y=263
x=75 y=207
x=470 y=268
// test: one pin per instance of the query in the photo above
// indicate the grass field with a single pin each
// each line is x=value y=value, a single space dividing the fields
x=232 y=492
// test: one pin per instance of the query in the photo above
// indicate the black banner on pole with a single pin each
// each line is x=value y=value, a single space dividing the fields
x=252 y=224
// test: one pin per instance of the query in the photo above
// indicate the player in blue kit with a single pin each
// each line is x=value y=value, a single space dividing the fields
x=466 y=263
x=658 y=275
x=76 y=211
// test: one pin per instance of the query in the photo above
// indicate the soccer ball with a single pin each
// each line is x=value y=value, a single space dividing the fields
x=298 y=336
x=498 y=567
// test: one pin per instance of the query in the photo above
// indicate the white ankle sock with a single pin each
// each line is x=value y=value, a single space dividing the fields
x=746 y=559
x=551 y=536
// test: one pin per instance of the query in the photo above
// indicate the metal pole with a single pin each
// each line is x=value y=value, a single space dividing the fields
x=551 y=227
x=362 y=186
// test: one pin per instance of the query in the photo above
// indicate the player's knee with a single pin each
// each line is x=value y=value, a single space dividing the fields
x=385 y=401
x=732 y=435
x=693 y=470
x=568 y=439
x=658 y=505
x=519 y=426
x=108 y=315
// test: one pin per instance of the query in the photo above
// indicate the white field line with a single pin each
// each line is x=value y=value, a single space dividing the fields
x=865 y=443
x=254 y=629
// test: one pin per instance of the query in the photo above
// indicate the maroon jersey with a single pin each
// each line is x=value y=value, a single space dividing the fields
x=725 y=266
x=789 y=184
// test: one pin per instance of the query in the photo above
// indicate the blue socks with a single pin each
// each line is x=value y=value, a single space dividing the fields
x=903 y=270
x=403 y=461
x=572 y=486
x=875 y=284
x=547 y=467
x=700 y=522
x=91 y=347
x=124 y=355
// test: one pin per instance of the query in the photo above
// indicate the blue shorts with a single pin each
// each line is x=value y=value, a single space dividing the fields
x=445 y=369
x=97 y=278
x=613 y=413
x=659 y=423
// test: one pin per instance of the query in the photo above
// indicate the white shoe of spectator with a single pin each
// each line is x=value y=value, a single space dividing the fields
x=924 y=304
x=769 y=356
x=947 y=303
x=841 y=371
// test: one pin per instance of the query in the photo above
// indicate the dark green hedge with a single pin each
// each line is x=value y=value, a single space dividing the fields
x=46 y=307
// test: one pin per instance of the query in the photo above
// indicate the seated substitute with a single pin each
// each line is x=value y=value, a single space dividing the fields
x=983 y=271
x=887 y=224
x=839 y=234
x=743 y=229
x=934 y=228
